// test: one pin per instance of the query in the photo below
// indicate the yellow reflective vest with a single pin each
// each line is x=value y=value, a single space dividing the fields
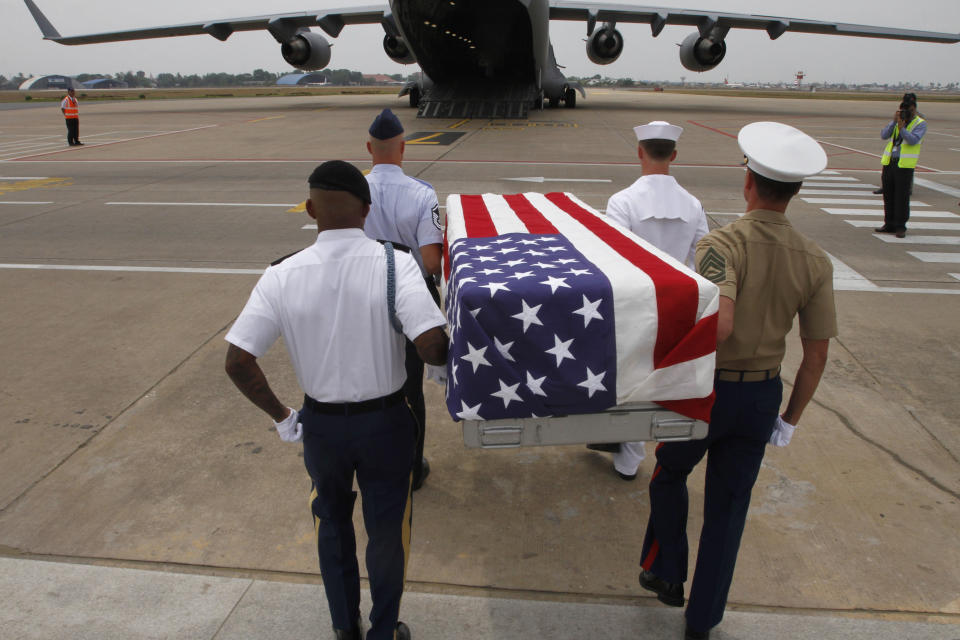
x=909 y=153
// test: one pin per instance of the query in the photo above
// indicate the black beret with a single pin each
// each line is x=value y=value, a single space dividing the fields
x=337 y=175
x=386 y=126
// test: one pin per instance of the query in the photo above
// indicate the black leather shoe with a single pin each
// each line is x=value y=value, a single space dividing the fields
x=340 y=634
x=902 y=233
x=419 y=479
x=883 y=229
x=79 y=144
x=627 y=477
x=878 y=191
x=667 y=592
x=690 y=634
x=403 y=632
x=607 y=447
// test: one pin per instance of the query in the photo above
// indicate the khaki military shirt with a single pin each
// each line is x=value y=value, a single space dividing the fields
x=772 y=273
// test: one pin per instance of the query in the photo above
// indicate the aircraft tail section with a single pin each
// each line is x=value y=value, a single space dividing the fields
x=46 y=28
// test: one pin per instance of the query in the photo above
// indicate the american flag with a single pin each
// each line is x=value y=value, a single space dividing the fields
x=556 y=310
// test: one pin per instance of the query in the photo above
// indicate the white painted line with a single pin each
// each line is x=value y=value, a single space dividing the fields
x=928 y=256
x=923 y=213
x=541 y=179
x=831 y=185
x=835 y=192
x=936 y=186
x=925 y=226
x=846 y=279
x=865 y=201
x=955 y=275
x=22 y=202
x=78 y=267
x=912 y=239
x=824 y=178
x=23 y=177
x=828 y=172
x=155 y=135
x=309 y=226
x=198 y=204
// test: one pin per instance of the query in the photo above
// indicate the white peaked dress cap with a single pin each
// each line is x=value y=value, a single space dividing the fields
x=658 y=130
x=781 y=152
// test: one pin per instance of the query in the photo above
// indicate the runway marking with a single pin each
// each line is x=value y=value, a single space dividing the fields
x=266 y=118
x=936 y=186
x=199 y=204
x=300 y=208
x=459 y=124
x=541 y=179
x=107 y=144
x=879 y=212
x=955 y=275
x=822 y=177
x=836 y=192
x=23 y=178
x=864 y=201
x=872 y=155
x=922 y=226
x=829 y=172
x=80 y=267
x=723 y=133
x=832 y=185
x=926 y=256
x=912 y=239
x=34 y=183
x=444 y=138
x=22 y=202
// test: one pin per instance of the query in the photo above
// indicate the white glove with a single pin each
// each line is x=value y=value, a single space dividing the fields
x=289 y=428
x=437 y=373
x=782 y=432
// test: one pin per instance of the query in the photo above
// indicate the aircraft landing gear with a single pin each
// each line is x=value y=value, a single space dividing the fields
x=414 y=97
x=570 y=98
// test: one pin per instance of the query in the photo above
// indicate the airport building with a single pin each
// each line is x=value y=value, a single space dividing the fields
x=302 y=79
x=105 y=83
x=50 y=82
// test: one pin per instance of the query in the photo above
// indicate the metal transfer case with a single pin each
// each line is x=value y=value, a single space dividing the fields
x=640 y=421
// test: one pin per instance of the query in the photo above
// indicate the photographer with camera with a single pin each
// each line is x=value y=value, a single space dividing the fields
x=905 y=134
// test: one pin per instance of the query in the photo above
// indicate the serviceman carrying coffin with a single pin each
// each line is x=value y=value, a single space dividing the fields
x=767 y=273
x=336 y=304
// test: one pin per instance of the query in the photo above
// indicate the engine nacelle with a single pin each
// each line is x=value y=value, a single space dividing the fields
x=701 y=54
x=605 y=45
x=307 y=51
x=397 y=49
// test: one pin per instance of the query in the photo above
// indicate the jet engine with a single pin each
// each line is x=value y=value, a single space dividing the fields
x=397 y=50
x=605 y=45
x=307 y=51
x=701 y=54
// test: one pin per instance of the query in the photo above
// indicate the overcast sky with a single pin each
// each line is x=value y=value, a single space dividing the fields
x=751 y=55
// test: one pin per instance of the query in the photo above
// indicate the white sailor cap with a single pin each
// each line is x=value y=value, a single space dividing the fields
x=658 y=130
x=781 y=152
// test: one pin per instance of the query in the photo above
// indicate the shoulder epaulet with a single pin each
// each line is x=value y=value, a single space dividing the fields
x=279 y=260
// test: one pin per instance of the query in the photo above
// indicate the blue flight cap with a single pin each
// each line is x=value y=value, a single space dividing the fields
x=386 y=126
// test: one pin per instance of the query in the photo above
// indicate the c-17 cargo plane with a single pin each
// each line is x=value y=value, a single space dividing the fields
x=491 y=58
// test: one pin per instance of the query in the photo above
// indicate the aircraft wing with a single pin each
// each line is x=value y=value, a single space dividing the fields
x=706 y=21
x=330 y=20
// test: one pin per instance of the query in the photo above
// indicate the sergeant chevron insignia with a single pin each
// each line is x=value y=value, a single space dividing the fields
x=713 y=267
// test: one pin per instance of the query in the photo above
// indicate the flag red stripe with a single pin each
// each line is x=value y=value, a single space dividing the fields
x=477 y=218
x=529 y=215
x=677 y=294
x=700 y=341
x=696 y=408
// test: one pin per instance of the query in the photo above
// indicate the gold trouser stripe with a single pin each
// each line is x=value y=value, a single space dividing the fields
x=316 y=520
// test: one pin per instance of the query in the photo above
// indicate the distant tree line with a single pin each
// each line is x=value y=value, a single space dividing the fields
x=259 y=77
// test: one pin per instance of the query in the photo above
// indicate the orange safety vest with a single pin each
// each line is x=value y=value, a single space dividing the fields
x=71 y=108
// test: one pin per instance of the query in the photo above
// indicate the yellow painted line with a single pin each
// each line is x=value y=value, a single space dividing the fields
x=300 y=208
x=459 y=124
x=267 y=118
x=424 y=139
x=39 y=183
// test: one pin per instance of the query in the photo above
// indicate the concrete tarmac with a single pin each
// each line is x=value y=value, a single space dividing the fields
x=132 y=472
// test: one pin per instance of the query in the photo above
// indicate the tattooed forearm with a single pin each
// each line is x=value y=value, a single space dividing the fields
x=247 y=375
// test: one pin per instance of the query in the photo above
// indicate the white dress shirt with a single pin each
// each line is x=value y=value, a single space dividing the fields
x=329 y=302
x=403 y=209
x=663 y=213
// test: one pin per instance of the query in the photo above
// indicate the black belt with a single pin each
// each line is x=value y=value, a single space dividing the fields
x=736 y=375
x=352 y=408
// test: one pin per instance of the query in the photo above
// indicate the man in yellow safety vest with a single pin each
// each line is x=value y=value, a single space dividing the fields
x=71 y=112
x=905 y=134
